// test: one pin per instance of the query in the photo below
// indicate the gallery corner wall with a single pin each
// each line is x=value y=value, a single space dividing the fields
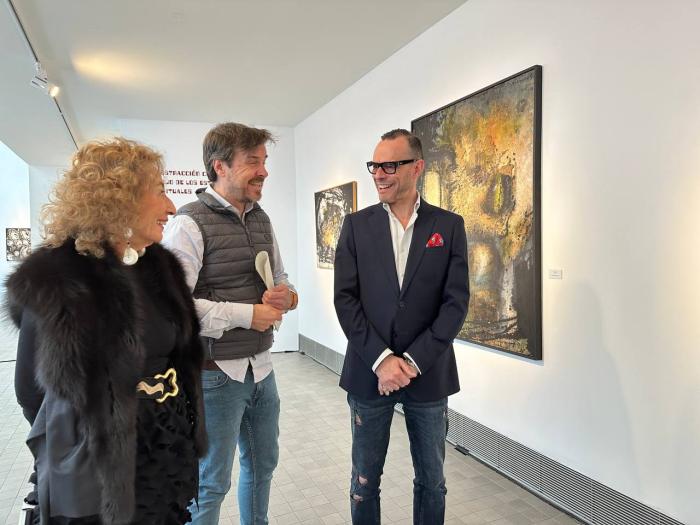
x=41 y=181
x=616 y=394
x=14 y=203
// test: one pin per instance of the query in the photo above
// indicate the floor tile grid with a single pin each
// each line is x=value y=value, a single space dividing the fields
x=311 y=483
x=8 y=340
x=15 y=459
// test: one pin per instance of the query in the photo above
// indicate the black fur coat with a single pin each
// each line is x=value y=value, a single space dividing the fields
x=89 y=351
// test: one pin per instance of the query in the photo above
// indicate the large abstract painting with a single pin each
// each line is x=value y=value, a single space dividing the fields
x=332 y=205
x=482 y=161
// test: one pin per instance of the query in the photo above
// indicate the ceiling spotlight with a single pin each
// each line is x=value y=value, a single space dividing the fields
x=41 y=81
x=40 y=77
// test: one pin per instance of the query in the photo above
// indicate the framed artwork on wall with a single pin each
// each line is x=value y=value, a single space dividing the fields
x=332 y=205
x=482 y=161
x=18 y=242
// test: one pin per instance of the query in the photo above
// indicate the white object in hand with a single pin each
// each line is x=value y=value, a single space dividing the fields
x=262 y=266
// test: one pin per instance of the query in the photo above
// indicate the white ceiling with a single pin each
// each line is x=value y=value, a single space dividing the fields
x=265 y=62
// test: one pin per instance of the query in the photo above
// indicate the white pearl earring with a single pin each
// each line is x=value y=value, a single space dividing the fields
x=130 y=255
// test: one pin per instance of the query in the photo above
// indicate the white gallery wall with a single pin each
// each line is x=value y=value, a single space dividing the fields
x=616 y=396
x=41 y=181
x=181 y=145
x=14 y=204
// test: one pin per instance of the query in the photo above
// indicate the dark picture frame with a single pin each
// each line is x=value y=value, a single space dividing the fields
x=483 y=161
x=331 y=206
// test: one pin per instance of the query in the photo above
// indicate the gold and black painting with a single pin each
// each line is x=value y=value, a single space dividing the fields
x=482 y=161
x=332 y=205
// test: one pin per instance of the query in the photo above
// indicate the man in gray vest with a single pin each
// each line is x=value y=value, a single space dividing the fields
x=217 y=239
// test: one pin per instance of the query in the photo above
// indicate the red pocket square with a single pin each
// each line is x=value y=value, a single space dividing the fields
x=435 y=241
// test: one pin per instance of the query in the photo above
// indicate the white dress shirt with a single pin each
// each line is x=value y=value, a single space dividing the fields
x=183 y=237
x=401 y=243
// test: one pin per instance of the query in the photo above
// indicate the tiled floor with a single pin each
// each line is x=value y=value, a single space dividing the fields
x=8 y=341
x=15 y=459
x=311 y=483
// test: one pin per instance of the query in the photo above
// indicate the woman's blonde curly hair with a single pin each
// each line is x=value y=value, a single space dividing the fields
x=96 y=200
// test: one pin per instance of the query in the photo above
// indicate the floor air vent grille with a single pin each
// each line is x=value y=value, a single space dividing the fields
x=579 y=495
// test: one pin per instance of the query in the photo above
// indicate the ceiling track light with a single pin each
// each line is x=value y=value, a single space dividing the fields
x=39 y=83
x=40 y=80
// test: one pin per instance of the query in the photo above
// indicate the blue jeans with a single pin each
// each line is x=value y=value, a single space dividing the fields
x=244 y=413
x=426 y=424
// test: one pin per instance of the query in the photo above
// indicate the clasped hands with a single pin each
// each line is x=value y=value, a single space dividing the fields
x=394 y=373
x=275 y=302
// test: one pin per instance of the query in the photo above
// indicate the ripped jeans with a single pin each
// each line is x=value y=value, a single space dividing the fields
x=426 y=423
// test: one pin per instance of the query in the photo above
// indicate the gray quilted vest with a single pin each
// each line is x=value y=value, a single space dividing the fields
x=228 y=269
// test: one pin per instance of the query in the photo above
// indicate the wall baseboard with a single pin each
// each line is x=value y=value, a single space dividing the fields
x=580 y=496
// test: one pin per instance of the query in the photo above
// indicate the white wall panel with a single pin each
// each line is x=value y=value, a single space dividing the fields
x=617 y=393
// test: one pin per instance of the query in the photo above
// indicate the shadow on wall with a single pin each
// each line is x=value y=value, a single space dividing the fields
x=601 y=433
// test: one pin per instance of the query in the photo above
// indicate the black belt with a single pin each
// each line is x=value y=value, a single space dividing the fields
x=156 y=387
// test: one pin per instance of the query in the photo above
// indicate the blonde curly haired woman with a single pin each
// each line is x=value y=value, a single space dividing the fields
x=109 y=331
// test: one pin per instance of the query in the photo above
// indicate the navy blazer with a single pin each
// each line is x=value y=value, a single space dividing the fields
x=422 y=318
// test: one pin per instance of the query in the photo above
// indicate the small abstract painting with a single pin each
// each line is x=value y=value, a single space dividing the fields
x=18 y=242
x=482 y=161
x=332 y=205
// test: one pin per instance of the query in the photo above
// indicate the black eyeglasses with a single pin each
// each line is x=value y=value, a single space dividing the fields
x=387 y=167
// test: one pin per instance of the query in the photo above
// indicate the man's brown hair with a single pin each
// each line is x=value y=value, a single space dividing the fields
x=223 y=141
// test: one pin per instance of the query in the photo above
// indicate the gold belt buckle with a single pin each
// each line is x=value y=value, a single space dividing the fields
x=169 y=374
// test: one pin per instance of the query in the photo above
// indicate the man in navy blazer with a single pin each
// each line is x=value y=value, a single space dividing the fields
x=401 y=296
